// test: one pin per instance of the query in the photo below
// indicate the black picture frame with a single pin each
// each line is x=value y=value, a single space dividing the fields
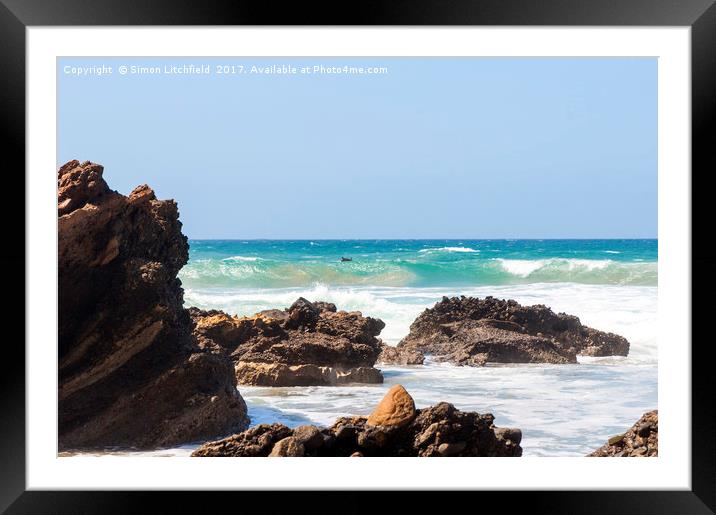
x=17 y=15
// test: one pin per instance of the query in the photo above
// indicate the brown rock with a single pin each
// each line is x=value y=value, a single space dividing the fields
x=443 y=424
x=371 y=438
x=266 y=374
x=471 y=331
x=309 y=343
x=439 y=430
x=451 y=449
x=397 y=356
x=509 y=433
x=309 y=436
x=256 y=441
x=642 y=439
x=395 y=409
x=615 y=439
x=288 y=447
x=131 y=373
x=644 y=429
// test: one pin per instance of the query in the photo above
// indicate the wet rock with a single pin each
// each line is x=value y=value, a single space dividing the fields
x=400 y=356
x=615 y=439
x=444 y=424
x=302 y=314
x=309 y=343
x=257 y=441
x=440 y=430
x=641 y=440
x=471 y=331
x=131 y=372
x=508 y=433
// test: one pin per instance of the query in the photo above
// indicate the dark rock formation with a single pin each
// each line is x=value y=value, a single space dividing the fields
x=130 y=371
x=440 y=430
x=400 y=356
x=641 y=440
x=309 y=343
x=471 y=331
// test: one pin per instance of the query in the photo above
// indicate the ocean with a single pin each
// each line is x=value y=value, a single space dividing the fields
x=563 y=410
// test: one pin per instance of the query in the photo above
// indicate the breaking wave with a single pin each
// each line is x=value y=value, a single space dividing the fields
x=449 y=249
x=242 y=271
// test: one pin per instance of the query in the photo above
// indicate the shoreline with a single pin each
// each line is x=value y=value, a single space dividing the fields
x=272 y=404
x=138 y=369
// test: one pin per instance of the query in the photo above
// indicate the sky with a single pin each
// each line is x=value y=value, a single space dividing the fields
x=434 y=148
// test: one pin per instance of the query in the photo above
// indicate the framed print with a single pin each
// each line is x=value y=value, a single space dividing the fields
x=462 y=233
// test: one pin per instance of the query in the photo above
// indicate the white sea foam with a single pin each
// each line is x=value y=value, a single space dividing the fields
x=626 y=310
x=521 y=267
x=526 y=267
x=449 y=249
x=537 y=398
x=588 y=264
x=242 y=258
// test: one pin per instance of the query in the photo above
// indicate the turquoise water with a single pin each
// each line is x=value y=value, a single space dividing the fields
x=418 y=263
x=563 y=410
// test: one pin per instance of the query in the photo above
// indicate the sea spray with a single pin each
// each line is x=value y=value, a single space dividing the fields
x=610 y=285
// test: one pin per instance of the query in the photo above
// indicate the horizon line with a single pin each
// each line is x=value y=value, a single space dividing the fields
x=422 y=239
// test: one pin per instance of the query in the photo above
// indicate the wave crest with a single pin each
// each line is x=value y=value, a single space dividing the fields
x=449 y=249
x=242 y=258
x=590 y=271
x=246 y=271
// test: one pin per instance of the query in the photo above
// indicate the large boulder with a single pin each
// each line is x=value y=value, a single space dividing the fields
x=395 y=410
x=440 y=430
x=308 y=343
x=472 y=331
x=131 y=373
x=641 y=440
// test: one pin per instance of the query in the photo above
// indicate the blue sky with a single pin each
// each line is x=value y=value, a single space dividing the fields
x=435 y=148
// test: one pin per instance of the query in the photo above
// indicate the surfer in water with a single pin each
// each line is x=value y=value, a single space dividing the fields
x=343 y=259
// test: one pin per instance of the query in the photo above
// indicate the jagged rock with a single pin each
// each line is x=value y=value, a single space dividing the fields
x=471 y=331
x=641 y=440
x=309 y=343
x=256 y=441
x=130 y=371
x=400 y=356
x=440 y=430
x=395 y=409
